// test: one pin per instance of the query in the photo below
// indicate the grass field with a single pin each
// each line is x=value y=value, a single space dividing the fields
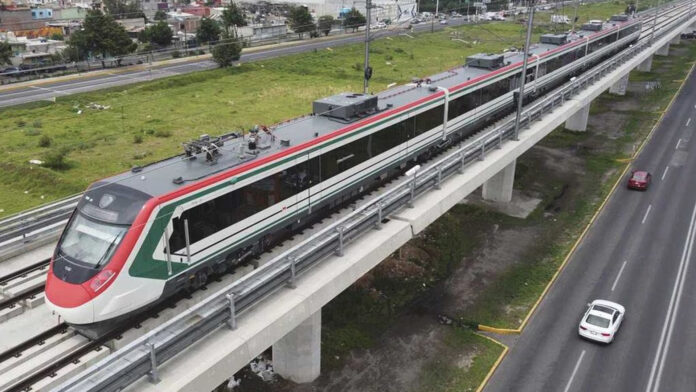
x=149 y=121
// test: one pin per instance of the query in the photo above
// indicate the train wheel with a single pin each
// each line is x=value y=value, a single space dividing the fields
x=200 y=279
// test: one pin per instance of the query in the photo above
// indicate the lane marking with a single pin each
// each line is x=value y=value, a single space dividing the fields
x=575 y=370
x=688 y=121
x=673 y=307
x=664 y=173
x=619 y=275
x=646 y=214
x=678 y=143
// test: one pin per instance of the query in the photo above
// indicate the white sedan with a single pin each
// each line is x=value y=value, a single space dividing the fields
x=601 y=321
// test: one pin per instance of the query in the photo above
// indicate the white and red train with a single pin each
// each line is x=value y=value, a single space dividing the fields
x=141 y=236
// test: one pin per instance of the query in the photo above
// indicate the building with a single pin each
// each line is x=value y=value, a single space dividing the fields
x=42 y=13
x=260 y=32
x=32 y=51
x=395 y=10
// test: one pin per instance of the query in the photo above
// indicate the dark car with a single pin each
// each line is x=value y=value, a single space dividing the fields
x=640 y=180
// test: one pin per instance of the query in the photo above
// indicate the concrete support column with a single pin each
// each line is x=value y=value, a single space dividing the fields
x=578 y=121
x=619 y=88
x=646 y=65
x=499 y=187
x=676 y=40
x=663 y=51
x=297 y=356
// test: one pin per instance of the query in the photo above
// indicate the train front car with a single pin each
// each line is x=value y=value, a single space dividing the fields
x=87 y=281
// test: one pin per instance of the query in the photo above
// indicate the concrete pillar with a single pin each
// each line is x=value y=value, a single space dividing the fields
x=663 y=51
x=619 y=88
x=297 y=356
x=646 y=65
x=578 y=121
x=499 y=187
x=676 y=40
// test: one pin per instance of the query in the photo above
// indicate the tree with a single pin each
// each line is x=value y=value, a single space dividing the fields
x=209 y=31
x=100 y=35
x=354 y=19
x=5 y=53
x=325 y=24
x=232 y=16
x=158 y=34
x=227 y=51
x=160 y=15
x=300 y=20
x=124 y=9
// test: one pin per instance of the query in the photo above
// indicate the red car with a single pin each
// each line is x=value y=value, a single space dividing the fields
x=639 y=180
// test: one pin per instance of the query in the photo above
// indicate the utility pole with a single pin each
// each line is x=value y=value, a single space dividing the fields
x=575 y=17
x=367 y=68
x=523 y=76
x=652 y=34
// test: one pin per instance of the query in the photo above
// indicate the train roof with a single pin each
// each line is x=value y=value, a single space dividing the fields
x=174 y=173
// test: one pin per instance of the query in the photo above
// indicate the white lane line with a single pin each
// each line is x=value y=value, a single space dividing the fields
x=673 y=307
x=665 y=173
x=619 y=275
x=47 y=89
x=678 y=143
x=688 y=121
x=646 y=214
x=575 y=370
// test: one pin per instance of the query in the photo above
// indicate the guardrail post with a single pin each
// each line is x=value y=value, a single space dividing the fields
x=339 y=251
x=413 y=192
x=529 y=120
x=461 y=160
x=152 y=374
x=293 y=272
x=439 y=178
x=500 y=139
x=378 y=224
x=483 y=151
x=232 y=322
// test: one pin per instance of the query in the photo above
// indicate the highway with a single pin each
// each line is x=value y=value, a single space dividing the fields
x=637 y=253
x=49 y=90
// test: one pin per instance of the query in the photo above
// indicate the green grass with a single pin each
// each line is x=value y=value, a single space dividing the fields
x=448 y=375
x=149 y=121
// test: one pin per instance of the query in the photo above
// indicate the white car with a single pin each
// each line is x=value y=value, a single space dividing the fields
x=601 y=321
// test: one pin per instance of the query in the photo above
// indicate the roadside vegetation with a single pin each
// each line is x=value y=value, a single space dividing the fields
x=94 y=135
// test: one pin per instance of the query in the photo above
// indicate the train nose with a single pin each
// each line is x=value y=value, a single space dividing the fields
x=71 y=301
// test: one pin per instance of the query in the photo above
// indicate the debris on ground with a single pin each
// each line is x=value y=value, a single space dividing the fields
x=263 y=368
x=96 y=106
x=35 y=162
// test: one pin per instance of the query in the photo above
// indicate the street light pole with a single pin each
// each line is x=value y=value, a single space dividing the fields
x=523 y=76
x=652 y=34
x=367 y=70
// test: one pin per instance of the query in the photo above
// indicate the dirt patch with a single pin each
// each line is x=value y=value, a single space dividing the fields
x=608 y=123
x=502 y=248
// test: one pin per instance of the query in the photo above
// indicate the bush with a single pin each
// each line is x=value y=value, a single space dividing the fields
x=163 y=133
x=227 y=52
x=32 y=132
x=358 y=66
x=45 y=141
x=21 y=123
x=36 y=124
x=399 y=50
x=201 y=51
x=150 y=131
x=56 y=159
x=176 y=54
x=137 y=139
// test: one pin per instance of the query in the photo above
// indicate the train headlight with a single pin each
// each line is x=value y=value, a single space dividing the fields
x=100 y=280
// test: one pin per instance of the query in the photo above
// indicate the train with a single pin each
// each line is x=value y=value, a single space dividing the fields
x=142 y=236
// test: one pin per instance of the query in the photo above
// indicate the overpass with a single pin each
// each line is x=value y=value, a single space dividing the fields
x=279 y=304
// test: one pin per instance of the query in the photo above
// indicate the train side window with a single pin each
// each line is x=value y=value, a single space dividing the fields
x=464 y=104
x=429 y=119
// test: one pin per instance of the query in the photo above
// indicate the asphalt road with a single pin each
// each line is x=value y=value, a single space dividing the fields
x=48 y=91
x=638 y=253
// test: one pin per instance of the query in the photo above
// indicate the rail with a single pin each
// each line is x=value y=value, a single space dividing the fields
x=142 y=356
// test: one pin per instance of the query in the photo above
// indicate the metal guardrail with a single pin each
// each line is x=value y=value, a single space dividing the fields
x=26 y=226
x=141 y=357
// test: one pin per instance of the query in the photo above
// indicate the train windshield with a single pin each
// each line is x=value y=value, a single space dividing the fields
x=91 y=242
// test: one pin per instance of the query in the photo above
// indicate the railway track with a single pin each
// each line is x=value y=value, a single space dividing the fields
x=60 y=351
